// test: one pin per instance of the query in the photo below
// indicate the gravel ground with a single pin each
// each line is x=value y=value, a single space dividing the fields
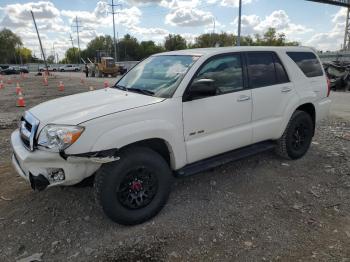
x=258 y=209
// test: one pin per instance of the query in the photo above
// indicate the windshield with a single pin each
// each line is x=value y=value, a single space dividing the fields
x=158 y=75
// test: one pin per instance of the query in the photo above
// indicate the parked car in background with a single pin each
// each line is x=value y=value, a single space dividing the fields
x=122 y=70
x=51 y=68
x=22 y=69
x=125 y=66
x=11 y=70
x=174 y=113
x=69 y=68
x=4 y=66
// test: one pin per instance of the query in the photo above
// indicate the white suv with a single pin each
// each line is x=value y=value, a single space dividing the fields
x=173 y=114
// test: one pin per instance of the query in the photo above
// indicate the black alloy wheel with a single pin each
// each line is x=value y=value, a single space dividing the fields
x=138 y=188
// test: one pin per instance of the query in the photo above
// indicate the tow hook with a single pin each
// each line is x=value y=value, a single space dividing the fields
x=38 y=182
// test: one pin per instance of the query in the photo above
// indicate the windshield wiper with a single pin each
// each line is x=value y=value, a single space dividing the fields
x=141 y=91
x=136 y=90
x=120 y=87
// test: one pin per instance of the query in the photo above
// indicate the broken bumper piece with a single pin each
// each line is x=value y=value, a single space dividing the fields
x=36 y=165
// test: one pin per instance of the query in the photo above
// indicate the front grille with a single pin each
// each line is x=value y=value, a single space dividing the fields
x=28 y=128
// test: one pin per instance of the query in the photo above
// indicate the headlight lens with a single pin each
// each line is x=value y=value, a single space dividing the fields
x=59 y=137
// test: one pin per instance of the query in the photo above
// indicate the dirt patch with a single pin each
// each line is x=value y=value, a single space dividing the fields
x=258 y=209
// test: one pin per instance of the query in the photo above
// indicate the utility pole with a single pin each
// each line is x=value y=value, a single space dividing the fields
x=239 y=23
x=77 y=27
x=114 y=42
x=41 y=46
x=213 y=33
x=346 y=45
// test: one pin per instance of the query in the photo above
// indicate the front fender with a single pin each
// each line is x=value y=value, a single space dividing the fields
x=135 y=132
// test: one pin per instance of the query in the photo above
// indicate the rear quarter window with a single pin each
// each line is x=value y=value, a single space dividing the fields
x=307 y=62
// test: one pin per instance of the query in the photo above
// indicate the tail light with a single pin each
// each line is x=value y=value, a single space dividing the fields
x=329 y=87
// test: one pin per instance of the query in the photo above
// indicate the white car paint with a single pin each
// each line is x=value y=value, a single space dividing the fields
x=192 y=130
x=69 y=68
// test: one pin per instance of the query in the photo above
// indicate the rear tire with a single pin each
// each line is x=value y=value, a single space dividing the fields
x=134 y=188
x=297 y=137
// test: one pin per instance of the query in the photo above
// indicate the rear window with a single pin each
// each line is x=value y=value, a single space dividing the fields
x=307 y=62
x=261 y=69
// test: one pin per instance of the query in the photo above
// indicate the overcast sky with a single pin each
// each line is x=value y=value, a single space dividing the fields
x=318 y=25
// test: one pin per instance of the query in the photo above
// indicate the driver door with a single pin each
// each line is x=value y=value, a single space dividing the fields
x=217 y=121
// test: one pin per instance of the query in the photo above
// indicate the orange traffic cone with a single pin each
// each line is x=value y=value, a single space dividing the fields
x=9 y=81
x=20 y=100
x=1 y=85
x=91 y=88
x=106 y=84
x=61 y=86
x=18 y=89
x=45 y=82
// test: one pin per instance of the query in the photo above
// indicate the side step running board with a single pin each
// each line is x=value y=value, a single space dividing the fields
x=225 y=158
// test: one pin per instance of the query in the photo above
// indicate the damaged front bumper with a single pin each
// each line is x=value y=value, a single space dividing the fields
x=45 y=169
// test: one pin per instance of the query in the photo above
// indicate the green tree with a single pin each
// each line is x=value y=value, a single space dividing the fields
x=148 y=48
x=71 y=55
x=51 y=59
x=8 y=43
x=98 y=43
x=272 y=38
x=214 y=39
x=24 y=54
x=174 y=42
x=129 y=48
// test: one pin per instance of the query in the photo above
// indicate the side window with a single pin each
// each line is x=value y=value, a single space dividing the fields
x=261 y=69
x=307 y=62
x=225 y=73
x=281 y=73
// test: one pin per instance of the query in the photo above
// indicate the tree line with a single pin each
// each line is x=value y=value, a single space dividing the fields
x=12 y=49
x=129 y=48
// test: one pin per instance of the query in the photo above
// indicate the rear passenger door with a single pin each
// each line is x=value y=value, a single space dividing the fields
x=271 y=93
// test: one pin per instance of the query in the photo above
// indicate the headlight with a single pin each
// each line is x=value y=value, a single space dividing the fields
x=59 y=137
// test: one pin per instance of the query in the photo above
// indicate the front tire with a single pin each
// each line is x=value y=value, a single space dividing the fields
x=297 y=137
x=134 y=188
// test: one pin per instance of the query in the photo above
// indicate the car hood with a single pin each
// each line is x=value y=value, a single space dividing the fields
x=75 y=109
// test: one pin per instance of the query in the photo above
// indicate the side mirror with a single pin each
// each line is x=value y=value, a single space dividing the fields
x=201 y=88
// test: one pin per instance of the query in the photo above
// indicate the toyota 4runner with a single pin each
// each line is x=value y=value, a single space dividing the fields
x=173 y=114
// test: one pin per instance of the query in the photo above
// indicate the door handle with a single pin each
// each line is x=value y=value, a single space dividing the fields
x=243 y=98
x=286 y=89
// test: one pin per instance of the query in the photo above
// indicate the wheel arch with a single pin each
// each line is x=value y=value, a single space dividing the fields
x=159 y=145
x=306 y=106
x=311 y=110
